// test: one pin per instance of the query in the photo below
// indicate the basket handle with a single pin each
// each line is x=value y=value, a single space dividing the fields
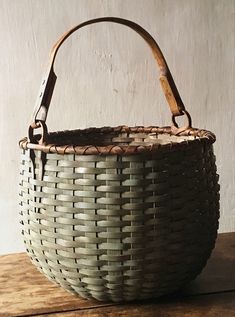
x=170 y=90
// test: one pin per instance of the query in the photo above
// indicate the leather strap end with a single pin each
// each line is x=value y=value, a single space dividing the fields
x=172 y=96
x=44 y=97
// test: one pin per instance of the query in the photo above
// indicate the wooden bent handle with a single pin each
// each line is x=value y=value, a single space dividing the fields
x=167 y=82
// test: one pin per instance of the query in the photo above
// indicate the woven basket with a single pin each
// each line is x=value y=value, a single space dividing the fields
x=119 y=213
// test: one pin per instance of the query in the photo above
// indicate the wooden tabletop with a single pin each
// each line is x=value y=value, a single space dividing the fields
x=24 y=291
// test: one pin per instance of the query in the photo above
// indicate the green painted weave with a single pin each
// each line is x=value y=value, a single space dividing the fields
x=120 y=227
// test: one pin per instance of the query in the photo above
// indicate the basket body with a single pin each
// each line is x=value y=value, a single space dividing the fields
x=121 y=227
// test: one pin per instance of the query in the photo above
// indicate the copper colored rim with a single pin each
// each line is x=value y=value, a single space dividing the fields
x=201 y=136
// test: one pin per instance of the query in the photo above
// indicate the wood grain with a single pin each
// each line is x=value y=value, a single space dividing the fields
x=218 y=305
x=24 y=291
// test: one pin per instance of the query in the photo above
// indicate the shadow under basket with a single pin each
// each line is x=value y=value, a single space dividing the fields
x=119 y=213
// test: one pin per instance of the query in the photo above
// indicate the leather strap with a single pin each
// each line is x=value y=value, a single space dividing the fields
x=46 y=90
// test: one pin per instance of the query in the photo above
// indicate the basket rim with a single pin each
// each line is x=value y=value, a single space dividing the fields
x=201 y=136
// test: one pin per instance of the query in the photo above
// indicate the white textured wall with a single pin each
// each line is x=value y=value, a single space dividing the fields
x=107 y=76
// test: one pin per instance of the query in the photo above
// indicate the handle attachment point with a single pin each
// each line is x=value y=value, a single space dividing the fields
x=37 y=125
x=175 y=126
x=173 y=98
x=44 y=96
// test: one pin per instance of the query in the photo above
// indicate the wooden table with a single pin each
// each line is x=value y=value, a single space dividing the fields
x=24 y=291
